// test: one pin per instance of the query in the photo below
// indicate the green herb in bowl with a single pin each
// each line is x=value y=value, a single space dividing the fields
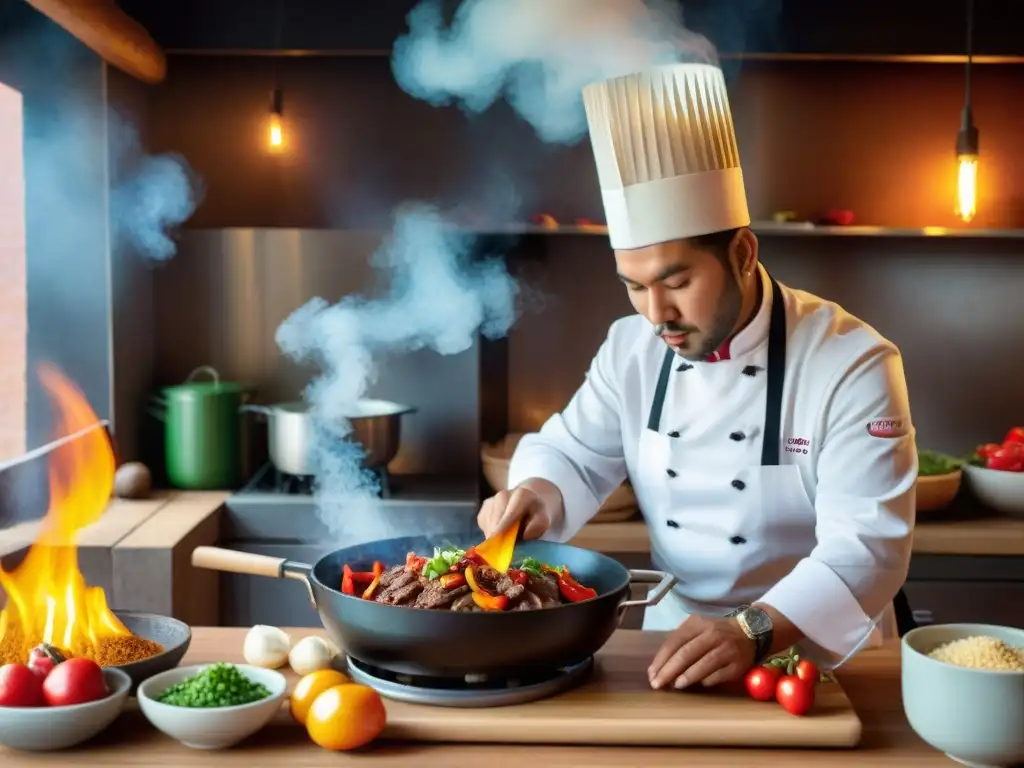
x=931 y=463
x=219 y=685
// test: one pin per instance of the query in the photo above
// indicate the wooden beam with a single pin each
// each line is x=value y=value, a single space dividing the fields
x=111 y=33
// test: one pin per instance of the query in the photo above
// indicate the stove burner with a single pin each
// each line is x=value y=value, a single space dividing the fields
x=269 y=479
x=473 y=691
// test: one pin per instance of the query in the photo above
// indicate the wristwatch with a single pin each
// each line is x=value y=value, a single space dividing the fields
x=757 y=625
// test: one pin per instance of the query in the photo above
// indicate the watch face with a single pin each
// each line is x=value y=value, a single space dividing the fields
x=758 y=621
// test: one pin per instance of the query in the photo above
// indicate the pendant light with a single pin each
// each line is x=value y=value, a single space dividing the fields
x=967 y=139
x=275 y=121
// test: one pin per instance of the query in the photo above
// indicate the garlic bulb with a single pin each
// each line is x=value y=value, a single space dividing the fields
x=266 y=646
x=311 y=654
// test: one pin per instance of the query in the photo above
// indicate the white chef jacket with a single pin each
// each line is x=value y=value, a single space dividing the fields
x=824 y=538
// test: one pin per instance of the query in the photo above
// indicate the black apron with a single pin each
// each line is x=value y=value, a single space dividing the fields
x=776 y=373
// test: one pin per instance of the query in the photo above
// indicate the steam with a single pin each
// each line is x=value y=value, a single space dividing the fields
x=438 y=298
x=538 y=54
x=152 y=194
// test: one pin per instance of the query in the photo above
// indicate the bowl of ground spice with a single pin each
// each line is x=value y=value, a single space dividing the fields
x=157 y=643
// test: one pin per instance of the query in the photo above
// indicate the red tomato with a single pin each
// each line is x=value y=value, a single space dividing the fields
x=1015 y=435
x=986 y=450
x=43 y=659
x=808 y=671
x=76 y=681
x=1008 y=458
x=20 y=686
x=761 y=681
x=795 y=695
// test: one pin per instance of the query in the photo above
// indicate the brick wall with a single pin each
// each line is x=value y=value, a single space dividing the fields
x=13 y=286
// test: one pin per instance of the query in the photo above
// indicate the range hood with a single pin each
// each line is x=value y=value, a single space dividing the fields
x=111 y=33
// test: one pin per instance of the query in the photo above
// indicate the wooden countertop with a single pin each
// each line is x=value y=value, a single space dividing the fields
x=871 y=681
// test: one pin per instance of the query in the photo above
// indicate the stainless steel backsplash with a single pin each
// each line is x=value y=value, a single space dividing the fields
x=220 y=301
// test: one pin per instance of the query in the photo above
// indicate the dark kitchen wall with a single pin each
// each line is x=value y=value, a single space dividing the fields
x=875 y=138
x=63 y=88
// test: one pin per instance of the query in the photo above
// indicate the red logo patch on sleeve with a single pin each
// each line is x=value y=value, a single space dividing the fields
x=887 y=428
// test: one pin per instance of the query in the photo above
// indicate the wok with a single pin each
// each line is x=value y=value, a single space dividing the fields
x=444 y=643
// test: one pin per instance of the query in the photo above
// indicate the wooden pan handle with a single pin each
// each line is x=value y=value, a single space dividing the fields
x=232 y=561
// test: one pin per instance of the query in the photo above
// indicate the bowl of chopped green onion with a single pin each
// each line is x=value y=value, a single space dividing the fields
x=212 y=706
x=938 y=480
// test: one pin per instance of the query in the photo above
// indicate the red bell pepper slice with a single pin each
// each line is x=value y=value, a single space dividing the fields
x=518 y=577
x=452 y=580
x=348 y=583
x=414 y=563
x=378 y=571
x=572 y=590
x=1015 y=435
x=490 y=602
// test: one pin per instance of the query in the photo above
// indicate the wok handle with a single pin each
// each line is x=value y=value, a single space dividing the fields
x=665 y=582
x=233 y=561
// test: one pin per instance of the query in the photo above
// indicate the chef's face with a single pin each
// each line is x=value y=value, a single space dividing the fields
x=692 y=291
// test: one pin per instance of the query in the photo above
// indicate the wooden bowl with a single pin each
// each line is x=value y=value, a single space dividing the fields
x=620 y=505
x=935 y=492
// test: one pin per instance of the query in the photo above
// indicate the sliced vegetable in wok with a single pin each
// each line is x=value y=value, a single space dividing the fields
x=462 y=580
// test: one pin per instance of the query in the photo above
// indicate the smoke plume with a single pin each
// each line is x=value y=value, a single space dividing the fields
x=438 y=298
x=538 y=54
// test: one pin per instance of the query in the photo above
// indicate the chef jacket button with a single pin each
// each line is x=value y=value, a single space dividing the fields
x=673 y=434
x=670 y=472
x=750 y=370
x=738 y=540
x=672 y=524
x=739 y=485
x=737 y=436
x=684 y=367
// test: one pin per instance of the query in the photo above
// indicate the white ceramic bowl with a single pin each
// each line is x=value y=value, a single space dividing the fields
x=975 y=716
x=1002 y=491
x=210 y=728
x=45 y=729
x=935 y=492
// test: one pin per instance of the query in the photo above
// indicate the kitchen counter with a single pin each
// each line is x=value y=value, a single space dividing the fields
x=871 y=680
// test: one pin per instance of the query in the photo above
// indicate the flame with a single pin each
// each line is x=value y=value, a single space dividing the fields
x=967 y=187
x=47 y=597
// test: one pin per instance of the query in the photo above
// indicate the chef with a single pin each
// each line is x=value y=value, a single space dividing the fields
x=766 y=431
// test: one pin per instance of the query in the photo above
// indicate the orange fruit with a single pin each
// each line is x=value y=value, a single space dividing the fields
x=311 y=686
x=345 y=717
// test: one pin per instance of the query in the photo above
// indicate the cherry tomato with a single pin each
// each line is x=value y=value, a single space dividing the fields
x=43 y=659
x=761 y=682
x=1007 y=459
x=76 y=681
x=20 y=686
x=795 y=695
x=986 y=450
x=807 y=671
x=1015 y=435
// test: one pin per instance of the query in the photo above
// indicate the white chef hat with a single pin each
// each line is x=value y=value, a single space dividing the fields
x=666 y=154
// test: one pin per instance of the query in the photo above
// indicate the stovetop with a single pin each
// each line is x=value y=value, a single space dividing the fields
x=471 y=691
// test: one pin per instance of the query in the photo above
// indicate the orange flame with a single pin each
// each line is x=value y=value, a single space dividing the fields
x=47 y=597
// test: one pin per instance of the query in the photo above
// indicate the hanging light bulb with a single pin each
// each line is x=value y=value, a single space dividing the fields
x=967 y=140
x=275 y=125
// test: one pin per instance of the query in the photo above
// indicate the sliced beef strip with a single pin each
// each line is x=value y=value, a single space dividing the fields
x=390 y=575
x=509 y=588
x=528 y=602
x=403 y=588
x=465 y=603
x=546 y=588
x=436 y=596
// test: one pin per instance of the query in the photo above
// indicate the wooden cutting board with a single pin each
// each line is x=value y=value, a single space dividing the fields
x=615 y=707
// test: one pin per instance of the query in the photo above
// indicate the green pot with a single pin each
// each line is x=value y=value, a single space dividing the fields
x=202 y=431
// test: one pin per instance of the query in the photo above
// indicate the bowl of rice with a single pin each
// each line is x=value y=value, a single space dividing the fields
x=963 y=691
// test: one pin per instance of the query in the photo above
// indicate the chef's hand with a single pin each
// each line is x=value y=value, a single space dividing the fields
x=535 y=501
x=702 y=650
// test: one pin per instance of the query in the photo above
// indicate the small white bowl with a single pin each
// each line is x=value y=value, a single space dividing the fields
x=210 y=727
x=46 y=729
x=1002 y=491
x=975 y=716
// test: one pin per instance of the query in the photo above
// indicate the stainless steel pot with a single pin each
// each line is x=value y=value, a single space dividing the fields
x=376 y=426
